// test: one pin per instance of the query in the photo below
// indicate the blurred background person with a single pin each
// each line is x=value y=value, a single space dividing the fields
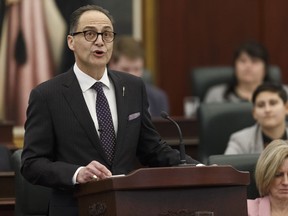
x=271 y=177
x=251 y=63
x=128 y=56
x=270 y=108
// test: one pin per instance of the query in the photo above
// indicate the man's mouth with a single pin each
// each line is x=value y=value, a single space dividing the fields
x=99 y=52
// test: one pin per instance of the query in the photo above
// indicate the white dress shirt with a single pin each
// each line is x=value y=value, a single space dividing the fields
x=90 y=95
x=86 y=82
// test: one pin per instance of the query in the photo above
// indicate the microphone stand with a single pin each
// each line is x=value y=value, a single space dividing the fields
x=181 y=144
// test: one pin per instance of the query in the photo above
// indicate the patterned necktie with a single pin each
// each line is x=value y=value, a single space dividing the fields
x=106 y=128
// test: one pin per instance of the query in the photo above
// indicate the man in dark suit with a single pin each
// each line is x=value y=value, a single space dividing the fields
x=63 y=140
x=128 y=56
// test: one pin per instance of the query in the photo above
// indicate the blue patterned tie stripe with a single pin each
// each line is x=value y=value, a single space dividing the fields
x=106 y=128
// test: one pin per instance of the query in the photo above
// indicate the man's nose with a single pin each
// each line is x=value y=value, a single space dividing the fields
x=267 y=107
x=99 y=40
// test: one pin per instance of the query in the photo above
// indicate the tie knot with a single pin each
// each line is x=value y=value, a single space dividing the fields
x=98 y=86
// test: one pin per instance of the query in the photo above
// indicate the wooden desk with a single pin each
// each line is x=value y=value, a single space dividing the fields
x=7 y=193
x=169 y=132
x=167 y=191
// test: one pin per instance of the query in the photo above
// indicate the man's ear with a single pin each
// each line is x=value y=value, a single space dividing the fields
x=70 y=42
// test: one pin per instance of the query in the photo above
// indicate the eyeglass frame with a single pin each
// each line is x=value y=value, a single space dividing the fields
x=97 y=34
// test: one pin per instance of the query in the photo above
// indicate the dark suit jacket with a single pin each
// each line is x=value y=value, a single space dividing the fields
x=60 y=136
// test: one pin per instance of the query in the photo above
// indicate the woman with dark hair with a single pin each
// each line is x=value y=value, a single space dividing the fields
x=250 y=70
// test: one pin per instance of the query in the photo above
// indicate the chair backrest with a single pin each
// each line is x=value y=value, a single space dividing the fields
x=203 y=78
x=217 y=121
x=31 y=200
x=241 y=162
x=5 y=159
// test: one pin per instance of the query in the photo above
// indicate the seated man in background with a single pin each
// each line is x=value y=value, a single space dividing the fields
x=269 y=110
x=128 y=56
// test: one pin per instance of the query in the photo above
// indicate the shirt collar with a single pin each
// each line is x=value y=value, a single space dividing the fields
x=267 y=139
x=86 y=81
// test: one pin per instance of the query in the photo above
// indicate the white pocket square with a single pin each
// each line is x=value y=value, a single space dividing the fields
x=133 y=116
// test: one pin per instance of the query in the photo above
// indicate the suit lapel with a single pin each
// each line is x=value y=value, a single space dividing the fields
x=121 y=101
x=73 y=95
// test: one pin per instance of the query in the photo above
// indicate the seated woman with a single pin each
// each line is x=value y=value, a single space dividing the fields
x=270 y=108
x=271 y=177
x=250 y=70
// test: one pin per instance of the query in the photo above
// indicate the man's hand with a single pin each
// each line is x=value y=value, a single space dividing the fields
x=93 y=171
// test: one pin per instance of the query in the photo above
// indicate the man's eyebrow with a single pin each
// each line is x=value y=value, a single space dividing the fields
x=93 y=28
x=108 y=27
x=89 y=27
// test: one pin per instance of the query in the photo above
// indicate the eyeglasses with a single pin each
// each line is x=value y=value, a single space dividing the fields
x=92 y=36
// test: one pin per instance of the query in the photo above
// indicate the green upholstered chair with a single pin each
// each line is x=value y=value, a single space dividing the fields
x=203 y=78
x=31 y=200
x=217 y=121
x=241 y=162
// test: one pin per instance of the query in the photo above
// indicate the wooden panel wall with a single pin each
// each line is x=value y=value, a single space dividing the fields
x=275 y=33
x=193 y=33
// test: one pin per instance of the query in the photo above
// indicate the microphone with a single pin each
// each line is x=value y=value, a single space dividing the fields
x=181 y=145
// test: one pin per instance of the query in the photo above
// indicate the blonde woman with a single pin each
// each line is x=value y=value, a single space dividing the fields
x=271 y=177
